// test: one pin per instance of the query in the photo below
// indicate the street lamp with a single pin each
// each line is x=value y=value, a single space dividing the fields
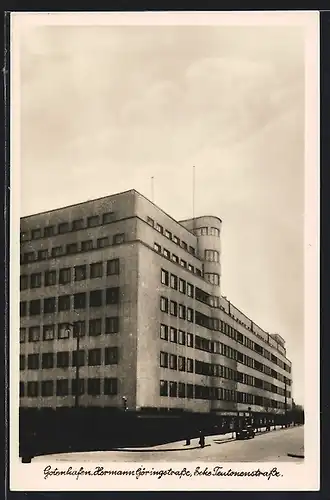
x=77 y=365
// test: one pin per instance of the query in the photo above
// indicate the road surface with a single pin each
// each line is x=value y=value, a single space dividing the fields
x=273 y=446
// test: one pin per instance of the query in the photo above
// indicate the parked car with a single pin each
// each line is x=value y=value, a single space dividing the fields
x=246 y=432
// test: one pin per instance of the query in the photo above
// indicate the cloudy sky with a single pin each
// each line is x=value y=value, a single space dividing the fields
x=105 y=108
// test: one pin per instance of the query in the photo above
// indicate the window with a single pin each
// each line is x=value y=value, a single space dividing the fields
x=80 y=273
x=108 y=217
x=118 y=239
x=175 y=258
x=183 y=263
x=42 y=254
x=164 y=277
x=94 y=357
x=157 y=247
x=22 y=333
x=164 y=304
x=164 y=359
x=29 y=257
x=173 y=308
x=64 y=303
x=112 y=324
x=198 y=272
x=112 y=295
x=163 y=388
x=213 y=231
x=24 y=282
x=62 y=387
x=62 y=359
x=35 y=234
x=49 y=332
x=181 y=390
x=112 y=267
x=191 y=268
x=34 y=333
x=173 y=389
x=110 y=386
x=95 y=327
x=159 y=228
x=174 y=282
x=181 y=337
x=184 y=245
x=79 y=301
x=190 y=340
x=32 y=389
x=72 y=248
x=150 y=221
x=22 y=362
x=63 y=331
x=192 y=250
x=182 y=311
x=93 y=221
x=74 y=386
x=96 y=270
x=212 y=255
x=190 y=314
x=182 y=286
x=111 y=355
x=21 y=389
x=102 y=242
x=86 y=245
x=190 y=365
x=166 y=253
x=77 y=224
x=176 y=239
x=164 y=332
x=182 y=364
x=79 y=328
x=190 y=391
x=47 y=388
x=212 y=278
x=47 y=360
x=80 y=358
x=173 y=334
x=65 y=276
x=63 y=227
x=173 y=362
x=190 y=290
x=24 y=236
x=50 y=278
x=168 y=234
x=33 y=361
x=22 y=308
x=57 y=251
x=49 y=231
x=35 y=307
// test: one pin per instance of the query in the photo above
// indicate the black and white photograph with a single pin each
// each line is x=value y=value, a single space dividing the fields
x=164 y=251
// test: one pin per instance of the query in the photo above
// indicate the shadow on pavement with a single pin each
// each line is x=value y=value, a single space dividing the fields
x=139 y=450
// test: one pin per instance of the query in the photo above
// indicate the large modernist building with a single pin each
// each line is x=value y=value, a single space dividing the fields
x=142 y=291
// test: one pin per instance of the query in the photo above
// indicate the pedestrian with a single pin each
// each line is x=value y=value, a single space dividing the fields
x=187 y=441
x=201 y=439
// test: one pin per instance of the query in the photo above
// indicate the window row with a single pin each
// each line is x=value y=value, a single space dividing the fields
x=174 y=258
x=194 y=391
x=169 y=235
x=67 y=275
x=179 y=310
x=63 y=359
x=66 y=227
x=207 y=231
x=210 y=323
x=64 y=330
x=96 y=298
x=181 y=337
x=65 y=387
x=72 y=248
x=183 y=364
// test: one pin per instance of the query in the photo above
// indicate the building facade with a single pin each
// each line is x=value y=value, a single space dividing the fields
x=143 y=293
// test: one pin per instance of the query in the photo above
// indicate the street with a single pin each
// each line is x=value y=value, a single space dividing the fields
x=273 y=446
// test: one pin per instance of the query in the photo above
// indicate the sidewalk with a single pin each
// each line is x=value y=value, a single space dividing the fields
x=194 y=443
